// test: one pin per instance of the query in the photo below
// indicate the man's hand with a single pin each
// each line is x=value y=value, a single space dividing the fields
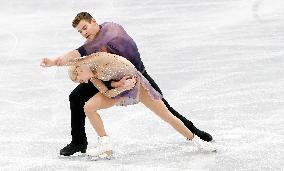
x=119 y=83
x=62 y=60
x=46 y=62
x=129 y=83
x=103 y=49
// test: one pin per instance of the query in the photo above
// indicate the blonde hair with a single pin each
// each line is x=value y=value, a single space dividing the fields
x=73 y=73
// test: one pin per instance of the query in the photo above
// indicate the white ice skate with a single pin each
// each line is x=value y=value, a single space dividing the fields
x=103 y=150
x=203 y=145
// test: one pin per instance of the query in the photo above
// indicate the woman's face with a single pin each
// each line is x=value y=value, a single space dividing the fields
x=83 y=75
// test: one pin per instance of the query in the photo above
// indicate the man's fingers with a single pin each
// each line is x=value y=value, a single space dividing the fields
x=59 y=62
x=131 y=82
x=132 y=79
x=43 y=62
x=43 y=65
x=126 y=77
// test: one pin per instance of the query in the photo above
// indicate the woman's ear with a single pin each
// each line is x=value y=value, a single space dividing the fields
x=79 y=69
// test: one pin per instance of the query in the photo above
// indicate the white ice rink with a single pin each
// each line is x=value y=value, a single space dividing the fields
x=220 y=63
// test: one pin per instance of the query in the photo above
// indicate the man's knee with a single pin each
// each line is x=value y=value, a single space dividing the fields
x=73 y=96
x=82 y=93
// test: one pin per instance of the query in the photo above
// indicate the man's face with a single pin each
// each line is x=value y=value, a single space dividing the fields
x=88 y=30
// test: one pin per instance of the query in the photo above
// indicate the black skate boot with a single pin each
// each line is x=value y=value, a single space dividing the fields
x=204 y=135
x=72 y=148
x=201 y=134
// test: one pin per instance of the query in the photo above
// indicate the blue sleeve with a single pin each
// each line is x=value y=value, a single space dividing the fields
x=82 y=51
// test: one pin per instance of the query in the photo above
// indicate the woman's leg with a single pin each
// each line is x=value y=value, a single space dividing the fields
x=159 y=108
x=202 y=134
x=97 y=102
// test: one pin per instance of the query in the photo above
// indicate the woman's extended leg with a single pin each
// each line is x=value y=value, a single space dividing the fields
x=99 y=101
x=159 y=108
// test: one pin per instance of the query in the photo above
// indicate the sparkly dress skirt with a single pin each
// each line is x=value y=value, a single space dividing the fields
x=131 y=97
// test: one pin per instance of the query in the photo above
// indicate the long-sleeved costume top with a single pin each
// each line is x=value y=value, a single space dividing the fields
x=106 y=66
x=115 y=39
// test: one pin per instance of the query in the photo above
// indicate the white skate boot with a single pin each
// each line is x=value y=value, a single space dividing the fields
x=103 y=150
x=203 y=145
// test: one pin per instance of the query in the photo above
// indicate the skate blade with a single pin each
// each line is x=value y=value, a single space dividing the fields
x=106 y=155
x=73 y=157
x=77 y=155
x=211 y=150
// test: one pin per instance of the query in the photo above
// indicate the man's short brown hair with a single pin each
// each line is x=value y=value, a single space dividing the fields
x=81 y=16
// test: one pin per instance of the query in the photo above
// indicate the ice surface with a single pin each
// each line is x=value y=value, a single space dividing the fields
x=220 y=63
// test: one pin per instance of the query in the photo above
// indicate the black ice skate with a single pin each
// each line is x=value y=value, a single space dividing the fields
x=72 y=148
x=201 y=134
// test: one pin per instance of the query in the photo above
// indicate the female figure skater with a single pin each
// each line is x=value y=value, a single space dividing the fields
x=102 y=66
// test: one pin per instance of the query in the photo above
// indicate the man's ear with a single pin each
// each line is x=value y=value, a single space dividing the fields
x=93 y=21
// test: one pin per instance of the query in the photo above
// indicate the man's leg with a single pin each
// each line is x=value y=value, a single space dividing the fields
x=78 y=97
x=202 y=134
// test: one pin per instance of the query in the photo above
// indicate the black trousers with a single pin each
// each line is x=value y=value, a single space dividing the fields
x=83 y=92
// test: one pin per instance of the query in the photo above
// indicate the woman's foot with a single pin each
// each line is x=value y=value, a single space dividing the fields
x=102 y=150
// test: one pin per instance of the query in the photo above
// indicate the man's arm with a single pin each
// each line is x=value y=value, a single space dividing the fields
x=122 y=47
x=110 y=93
x=64 y=59
x=61 y=60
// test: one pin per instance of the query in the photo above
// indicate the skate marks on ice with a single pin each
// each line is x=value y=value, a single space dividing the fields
x=171 y=155
x=168 y=156
x=88 y=157
x=7 y=50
